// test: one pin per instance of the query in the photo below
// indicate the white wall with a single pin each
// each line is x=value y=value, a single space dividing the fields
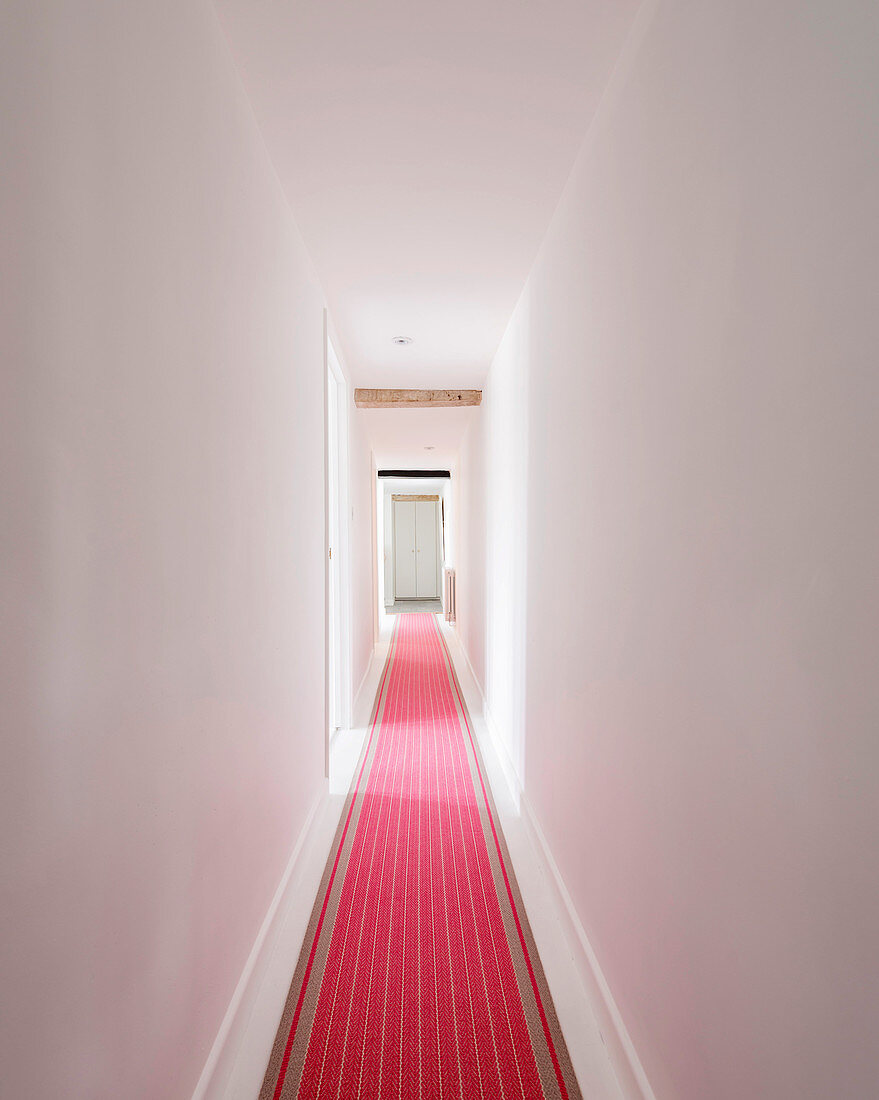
x=491 y=605
x=698 y=339
x=162 y=550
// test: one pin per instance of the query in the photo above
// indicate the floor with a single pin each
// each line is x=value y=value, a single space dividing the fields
x=402 y=607
x=242 y=1073
x=419 y=975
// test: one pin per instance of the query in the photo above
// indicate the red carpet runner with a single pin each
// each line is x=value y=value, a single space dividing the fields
x=419 y=977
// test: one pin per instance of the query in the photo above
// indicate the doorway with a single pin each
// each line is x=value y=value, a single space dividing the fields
x=412 y=514
x=416 y=547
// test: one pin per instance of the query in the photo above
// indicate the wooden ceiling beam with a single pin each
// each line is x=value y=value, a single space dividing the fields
x=416 y=399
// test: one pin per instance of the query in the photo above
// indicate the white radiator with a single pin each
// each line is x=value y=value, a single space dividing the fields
x=449 y=594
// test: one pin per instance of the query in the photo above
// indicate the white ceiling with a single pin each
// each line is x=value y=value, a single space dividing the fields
x=399 y=436
x=423 y=147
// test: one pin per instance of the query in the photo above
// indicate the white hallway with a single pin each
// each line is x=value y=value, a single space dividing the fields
x=649 y=234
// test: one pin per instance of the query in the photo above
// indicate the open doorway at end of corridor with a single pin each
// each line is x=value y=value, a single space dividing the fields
x=413 y=529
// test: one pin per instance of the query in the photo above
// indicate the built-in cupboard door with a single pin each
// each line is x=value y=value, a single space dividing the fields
x=426 y=579
x=405 y=580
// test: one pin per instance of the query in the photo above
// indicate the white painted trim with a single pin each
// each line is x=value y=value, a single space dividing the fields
x=212 y=1083
x=356 y=709
x=387 y=557
x=342 y=550
x=377 y=585
x=624 y=1059
x=327 y=575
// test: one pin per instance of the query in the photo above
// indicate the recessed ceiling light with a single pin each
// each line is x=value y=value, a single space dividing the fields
x=430 y=448
x=402 y=340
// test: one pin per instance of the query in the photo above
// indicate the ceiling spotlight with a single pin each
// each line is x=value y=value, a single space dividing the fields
x=430 y=448
x=400 y=340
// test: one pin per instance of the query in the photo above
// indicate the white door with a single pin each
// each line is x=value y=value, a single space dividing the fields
x=426 y=582
x=405 y=576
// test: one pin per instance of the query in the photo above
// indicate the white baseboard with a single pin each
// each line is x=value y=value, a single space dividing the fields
x=213 y=1082
x=626 y=1065
x=359 y=697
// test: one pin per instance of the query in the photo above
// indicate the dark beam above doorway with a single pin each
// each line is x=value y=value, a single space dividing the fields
x=414 y=473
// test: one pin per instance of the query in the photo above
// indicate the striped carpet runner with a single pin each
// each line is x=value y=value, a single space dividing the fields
x=419 y=977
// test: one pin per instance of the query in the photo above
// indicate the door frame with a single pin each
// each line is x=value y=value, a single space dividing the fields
x=337 y=529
